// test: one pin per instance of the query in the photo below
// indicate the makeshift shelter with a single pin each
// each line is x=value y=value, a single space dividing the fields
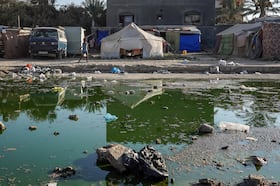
x=185 y=38
x=16 y=42
x=255 y=40
x=236 y=40
x=134 y=39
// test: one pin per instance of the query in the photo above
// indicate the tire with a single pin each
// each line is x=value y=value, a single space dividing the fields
x=59 y=55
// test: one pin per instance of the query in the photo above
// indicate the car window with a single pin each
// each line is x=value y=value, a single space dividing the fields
x=45 y=33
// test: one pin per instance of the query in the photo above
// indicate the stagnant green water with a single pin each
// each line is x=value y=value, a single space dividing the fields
x=146 y=111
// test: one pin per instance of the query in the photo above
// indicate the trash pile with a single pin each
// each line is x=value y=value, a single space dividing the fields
x=33 y=72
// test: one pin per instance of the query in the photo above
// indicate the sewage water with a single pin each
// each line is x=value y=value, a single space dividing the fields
x=170 y=111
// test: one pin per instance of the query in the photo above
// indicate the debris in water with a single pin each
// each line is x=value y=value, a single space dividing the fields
x=32 y=127
x=74 y=117
x=109 y=117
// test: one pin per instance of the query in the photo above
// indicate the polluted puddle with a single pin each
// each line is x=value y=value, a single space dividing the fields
x=54 y=127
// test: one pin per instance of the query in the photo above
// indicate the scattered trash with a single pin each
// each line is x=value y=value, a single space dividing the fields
x=244 y=72
x=194 y=137
x=251 y=138
x=74 y=117
x=11 y=149
x=158 y=141
x=214 y=70
x=109 y=117
x=52 y=184
x=56 y=133
x=223 y=125
x=73 y=74
x=57 y=71
x=89 y=78
x=243 y=87
x=97 y=72
x=2 y=127
x=186 y=61
x=163 y=72
x=257 y=161
x=129 y=92
x=24 y=97
x=63 y=172
x=32 y=127
x=222 y=62
x=58 y=89
x=42 y=77
x=116 y=70
x=225 y=147
x=231 y=63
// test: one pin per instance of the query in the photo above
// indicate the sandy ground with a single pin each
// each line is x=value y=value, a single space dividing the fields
x=196 y=66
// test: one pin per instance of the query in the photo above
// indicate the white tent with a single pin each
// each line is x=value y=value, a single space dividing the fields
x=129 y=38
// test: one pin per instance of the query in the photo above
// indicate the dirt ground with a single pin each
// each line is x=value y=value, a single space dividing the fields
x=192 y=66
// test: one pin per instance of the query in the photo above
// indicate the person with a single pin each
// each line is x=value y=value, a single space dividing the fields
x=84 y=50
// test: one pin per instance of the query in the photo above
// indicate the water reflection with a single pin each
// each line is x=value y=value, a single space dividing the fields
x=146 y=111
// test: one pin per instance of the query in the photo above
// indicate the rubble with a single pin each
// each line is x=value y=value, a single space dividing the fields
x=205 y=128
x=147 y=163
x=63 y=172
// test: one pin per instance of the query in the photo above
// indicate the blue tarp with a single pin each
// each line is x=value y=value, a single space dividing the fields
x=190 y=42
x=100 y=35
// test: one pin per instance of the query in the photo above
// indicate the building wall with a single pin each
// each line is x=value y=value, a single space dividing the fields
x=160 y=12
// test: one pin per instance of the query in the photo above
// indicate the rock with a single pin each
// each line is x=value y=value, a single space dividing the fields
x=2 y=127
x=56 y=133
x=205 y=128
x=147 y=163
x=152 y=163
x=158 y=141
x=258 y=161
x=74 y=117
x=225 y=147
x=132 y=92
x=257 y=180
x=112 y=154
x=194 y=138
x=63 y=172
x=208 y=182
x=254 y=180
x=52 y=184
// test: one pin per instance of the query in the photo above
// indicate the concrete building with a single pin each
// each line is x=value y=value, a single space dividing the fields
x=160 y=12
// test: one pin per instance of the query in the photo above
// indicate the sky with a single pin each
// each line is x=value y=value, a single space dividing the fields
x=67 y=2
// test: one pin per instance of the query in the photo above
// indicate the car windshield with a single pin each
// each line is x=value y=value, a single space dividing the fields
x=45 y=33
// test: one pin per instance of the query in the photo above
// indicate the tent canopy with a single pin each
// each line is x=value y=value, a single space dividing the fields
x=129 y=38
